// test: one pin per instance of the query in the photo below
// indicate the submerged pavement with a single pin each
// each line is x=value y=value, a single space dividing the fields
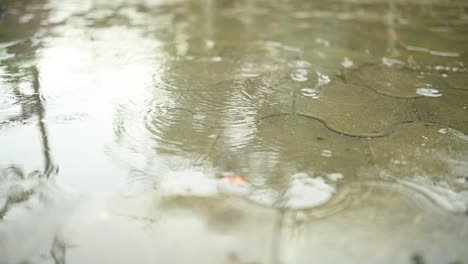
x=346 y=123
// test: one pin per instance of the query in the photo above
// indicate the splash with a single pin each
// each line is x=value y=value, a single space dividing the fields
x=454 y=132
x=308 y=92
x=306 y=192
x=347 y=63
x=428 y=91
x=300 y=75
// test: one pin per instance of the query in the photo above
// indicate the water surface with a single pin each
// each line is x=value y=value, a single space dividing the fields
x=347 y=119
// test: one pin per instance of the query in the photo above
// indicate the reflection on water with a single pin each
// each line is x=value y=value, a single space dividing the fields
x=345 y=124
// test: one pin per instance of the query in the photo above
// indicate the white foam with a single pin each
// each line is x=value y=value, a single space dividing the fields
x=307 y=192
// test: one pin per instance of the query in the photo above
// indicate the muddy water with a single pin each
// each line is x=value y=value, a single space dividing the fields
x=120 y=122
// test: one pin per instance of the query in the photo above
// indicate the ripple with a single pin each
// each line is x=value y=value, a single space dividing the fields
x=433 y=52
x=299 y=64
x=441 y=195
x=249 y=71
x=428 y=194
x=6 y=101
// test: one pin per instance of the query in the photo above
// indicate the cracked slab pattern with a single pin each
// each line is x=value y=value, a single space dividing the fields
x=287 y=144
x=241 y=131
x=355 y=110
x=391 y=81
x=450 y=109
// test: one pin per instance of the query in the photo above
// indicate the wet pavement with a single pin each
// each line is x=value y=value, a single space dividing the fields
x=233 y=131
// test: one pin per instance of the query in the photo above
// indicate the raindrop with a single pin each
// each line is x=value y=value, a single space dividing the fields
x=323 y=42
x=443 y=131
x=209 y=43
x=310 y=93
x=326 y=153
x=299 y=64
x=347 y=62
x=300 y=75
x=429 y=92
x=390 y=62
x=248 y=71
x=323 y=79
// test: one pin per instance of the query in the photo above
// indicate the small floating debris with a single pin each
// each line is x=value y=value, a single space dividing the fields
x=233 y=178
x=233 y=184
x=308 y=92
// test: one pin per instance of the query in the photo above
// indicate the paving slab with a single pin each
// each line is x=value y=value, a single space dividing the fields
x=391 y=80
x=450 y=109
x=421 y=149
x=342 y=107
x=377 y=210
x=286 y=144
x=453 y=79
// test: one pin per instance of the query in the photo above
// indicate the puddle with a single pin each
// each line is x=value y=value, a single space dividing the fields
x=239 y=131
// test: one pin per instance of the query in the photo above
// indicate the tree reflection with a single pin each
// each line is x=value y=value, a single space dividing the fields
x=21 y=84
x=20 y=75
